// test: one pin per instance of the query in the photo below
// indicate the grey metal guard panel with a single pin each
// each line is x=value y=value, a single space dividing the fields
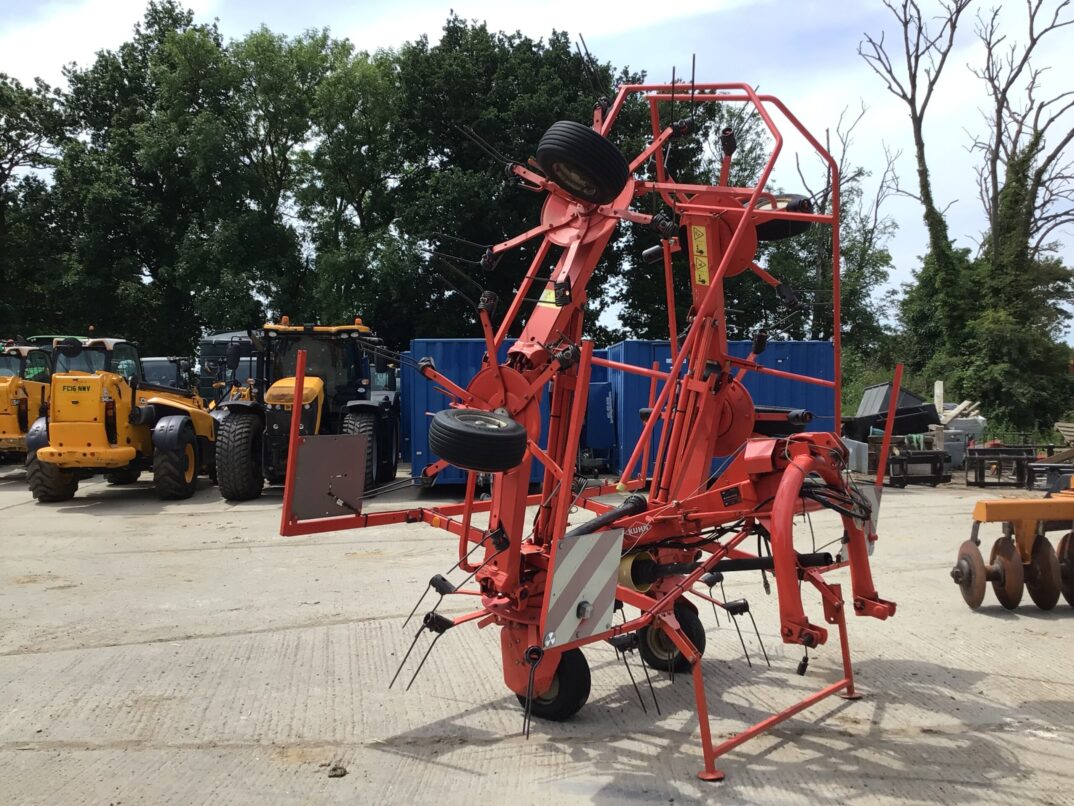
x=581 y=598
x=329 y=476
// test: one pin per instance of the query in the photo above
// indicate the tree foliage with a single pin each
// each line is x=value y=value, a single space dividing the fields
x=194 y=183
x=992 y=323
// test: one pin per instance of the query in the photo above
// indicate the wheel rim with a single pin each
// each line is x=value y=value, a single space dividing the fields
x=969 y=574
x=1008 y=587
x=660 y=645
x=188 y=460
x=1042 y=575
x=574 y=180
x=482 y=420
x=552 y=693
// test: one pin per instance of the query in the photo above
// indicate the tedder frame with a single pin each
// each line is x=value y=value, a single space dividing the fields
x=553 y=589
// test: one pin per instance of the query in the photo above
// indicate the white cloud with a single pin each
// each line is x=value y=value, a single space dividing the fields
x=382 y=25
x=63 y=32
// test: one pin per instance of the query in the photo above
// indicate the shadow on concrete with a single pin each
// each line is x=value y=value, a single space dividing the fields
x=924 y=729
x=1027 y=610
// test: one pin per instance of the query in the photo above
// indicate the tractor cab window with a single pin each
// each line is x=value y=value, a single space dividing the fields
x=383 y=381
x=37 y=366
x=9 y=365
x=87 y=359
x=161 y=372
x=324 y=359
x=245 y=370
x=125 y=361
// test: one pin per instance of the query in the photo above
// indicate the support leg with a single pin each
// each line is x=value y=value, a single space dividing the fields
x=710 y=773
x=850 y=693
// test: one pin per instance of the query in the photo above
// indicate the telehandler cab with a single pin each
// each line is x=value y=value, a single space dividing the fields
x=103 y=417
x=346 y=392
x=24 y=388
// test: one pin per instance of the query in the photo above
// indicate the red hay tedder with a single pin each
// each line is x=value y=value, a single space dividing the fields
x=551 y=589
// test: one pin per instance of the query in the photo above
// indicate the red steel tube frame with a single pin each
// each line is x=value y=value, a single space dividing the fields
x=889 y=427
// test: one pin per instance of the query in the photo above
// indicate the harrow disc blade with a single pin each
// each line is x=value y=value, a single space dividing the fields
x=1066 y=567
x=1042 y=574
x=1008 y=585
x=969 y=574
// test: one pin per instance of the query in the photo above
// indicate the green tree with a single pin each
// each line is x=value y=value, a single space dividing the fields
x=509 y=89
x=127 y=215
x=32 y=129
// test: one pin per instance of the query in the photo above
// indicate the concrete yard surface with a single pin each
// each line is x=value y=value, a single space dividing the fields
x=183 y=652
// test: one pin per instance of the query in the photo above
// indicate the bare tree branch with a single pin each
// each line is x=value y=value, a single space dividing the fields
x=1020 y=120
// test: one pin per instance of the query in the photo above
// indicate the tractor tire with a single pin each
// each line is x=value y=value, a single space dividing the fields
x=48 y=483
x=568 y=692
x=477 y=440
x=175 y=471
x=238 y=456
x=582 y=162
x=660 y=653
x=776 y=230
x=365 y=423
x=389 y=465
x=126 y=475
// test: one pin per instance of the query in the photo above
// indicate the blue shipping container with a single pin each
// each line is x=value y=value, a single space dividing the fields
x=813 y=358
x=617 y=431
x=459 y=360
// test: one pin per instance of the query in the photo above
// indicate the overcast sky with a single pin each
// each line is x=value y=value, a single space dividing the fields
x=805 y=52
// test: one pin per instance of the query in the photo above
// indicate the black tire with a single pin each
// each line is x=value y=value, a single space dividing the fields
x=48 y=483
x=175 y=471
x=238 y=456
x=582 y=162
x=776 y=230
x=126 y=475
x=365 y=423
x=568 y=692
x=389 y=456
x=658 y=651
x=477 y=440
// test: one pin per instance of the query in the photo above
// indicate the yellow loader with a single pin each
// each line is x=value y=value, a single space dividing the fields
x=103 y=417
x=24 y=391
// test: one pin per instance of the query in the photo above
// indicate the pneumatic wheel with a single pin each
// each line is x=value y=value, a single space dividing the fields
x=365 y=423
x=659 y=651
x=1042 y=574
x=126 y=475
x=477 y=440
x=48 y=483
x=568 y=691
x=776 y=229
x=239 y=473
x=582 y=162
x=175 y=471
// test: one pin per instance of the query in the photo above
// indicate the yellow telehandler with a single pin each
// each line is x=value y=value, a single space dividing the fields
x=103 y=417
x=24 y=390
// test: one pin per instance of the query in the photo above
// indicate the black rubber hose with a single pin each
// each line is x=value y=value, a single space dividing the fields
x=633 y=505
x=820 y=559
